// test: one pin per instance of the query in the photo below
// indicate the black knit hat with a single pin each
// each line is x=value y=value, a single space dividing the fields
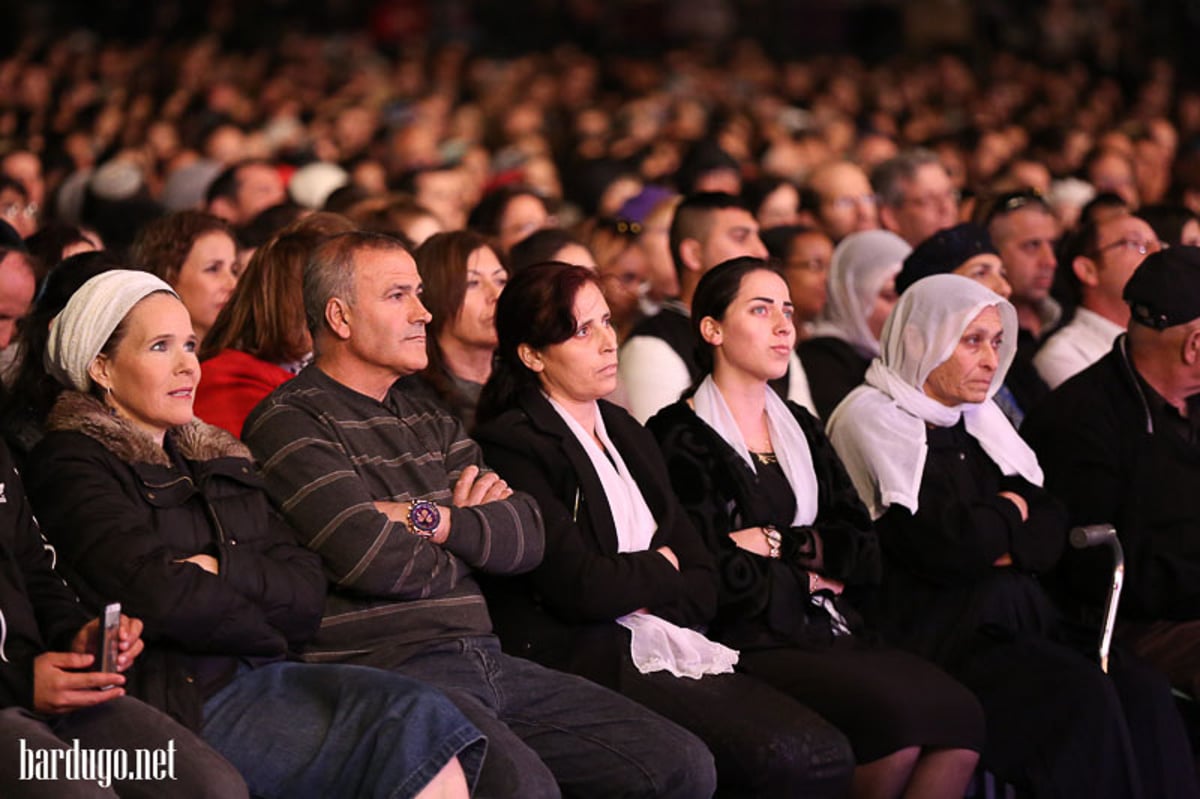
x=1165 y=289
x=943 y=252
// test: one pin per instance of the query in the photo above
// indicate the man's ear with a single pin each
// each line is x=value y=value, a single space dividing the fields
x=690 y=251
x=530 y=357
x=337 y=316
x=1191 y=347
x=1086 y=269
x=98 y=371
x=887 y=218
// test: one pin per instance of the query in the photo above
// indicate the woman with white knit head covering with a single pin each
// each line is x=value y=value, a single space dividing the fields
x=965 y=528
x=152 y=508
x=861 y=293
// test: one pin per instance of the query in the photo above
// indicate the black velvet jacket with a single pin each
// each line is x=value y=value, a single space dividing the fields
x=941 y=589
x=764 y=602
x=562 y=613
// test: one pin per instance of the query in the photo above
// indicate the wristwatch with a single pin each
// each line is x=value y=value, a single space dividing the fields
x=774 y=541
x=423 y=517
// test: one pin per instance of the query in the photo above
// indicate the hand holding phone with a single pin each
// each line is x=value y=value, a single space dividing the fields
x=108 y=640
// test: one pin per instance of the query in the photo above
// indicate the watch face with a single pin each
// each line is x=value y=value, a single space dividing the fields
x=424 y=516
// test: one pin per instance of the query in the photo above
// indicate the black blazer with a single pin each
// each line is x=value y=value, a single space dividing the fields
x=562 y=613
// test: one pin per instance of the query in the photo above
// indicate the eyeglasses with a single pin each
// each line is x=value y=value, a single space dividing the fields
x=620 y=227
x=1133 y=245
x=14 y=210
x=852 y=201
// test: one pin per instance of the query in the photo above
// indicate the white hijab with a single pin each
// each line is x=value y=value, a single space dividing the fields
x=879 y=430
x=862 y=263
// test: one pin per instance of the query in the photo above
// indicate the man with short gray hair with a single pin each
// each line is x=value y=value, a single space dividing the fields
x=916 y=197
x=397 y=501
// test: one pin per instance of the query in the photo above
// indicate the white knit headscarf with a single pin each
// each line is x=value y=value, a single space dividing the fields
x=84 y=326
x=861 y=264
x=879 y=430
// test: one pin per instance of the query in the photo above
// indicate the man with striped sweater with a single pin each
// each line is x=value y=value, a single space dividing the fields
x=400 y=506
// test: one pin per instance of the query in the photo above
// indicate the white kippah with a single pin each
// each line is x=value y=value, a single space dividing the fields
x=82 y=328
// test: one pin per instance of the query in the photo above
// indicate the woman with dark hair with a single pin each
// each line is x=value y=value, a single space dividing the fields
x=508 y=214
x=260 y=339
x=462 y=279
x=549 y=244
x=33 y=391
x=622 y=267
x=625 y=578
x=802 y=254
x=966 y=530
x=168 y=516
x=775 y=202
x=794 y=547
x=197 y=255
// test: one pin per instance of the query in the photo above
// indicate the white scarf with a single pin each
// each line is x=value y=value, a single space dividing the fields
x=655 y=644
x=861 y=264
x=879 y=430
x=791 y=447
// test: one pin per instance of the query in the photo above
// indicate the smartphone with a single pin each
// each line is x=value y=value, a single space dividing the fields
x=110 y=625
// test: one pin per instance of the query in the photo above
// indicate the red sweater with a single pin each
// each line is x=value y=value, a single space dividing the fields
x=232 y=382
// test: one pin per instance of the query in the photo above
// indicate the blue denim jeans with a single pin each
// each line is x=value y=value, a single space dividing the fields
x=327 y=731
x=547 y=730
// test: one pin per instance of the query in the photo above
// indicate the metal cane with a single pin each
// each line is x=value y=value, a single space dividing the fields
x=1094 y=535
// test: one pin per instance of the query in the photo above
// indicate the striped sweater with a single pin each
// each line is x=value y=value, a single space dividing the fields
x=327 y=454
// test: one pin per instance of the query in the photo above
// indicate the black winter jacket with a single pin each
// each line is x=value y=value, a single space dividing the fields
x=38 y=612
x=123 y=512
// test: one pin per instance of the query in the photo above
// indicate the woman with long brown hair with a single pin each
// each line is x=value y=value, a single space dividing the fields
x=260 y=338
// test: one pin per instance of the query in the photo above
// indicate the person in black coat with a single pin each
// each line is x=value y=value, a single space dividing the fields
x=625 y=581
x=794 y=544
x=51 y=691
x=168 y=516
x=1120 y=443
x=967 y=531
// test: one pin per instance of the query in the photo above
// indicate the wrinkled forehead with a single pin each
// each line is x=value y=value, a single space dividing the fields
x=928 y=322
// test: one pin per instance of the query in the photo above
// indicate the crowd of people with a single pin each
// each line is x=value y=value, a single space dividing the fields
x=448 y=424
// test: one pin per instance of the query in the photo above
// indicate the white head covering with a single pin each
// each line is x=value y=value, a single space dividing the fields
x=862 y=263
x=84 y=326
x=879 y=429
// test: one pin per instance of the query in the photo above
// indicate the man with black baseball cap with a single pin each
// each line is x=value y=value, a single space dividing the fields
x=1120 y=444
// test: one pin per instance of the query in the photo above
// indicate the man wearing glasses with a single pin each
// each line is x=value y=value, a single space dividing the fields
x=841 y=199
x=916 y=196
x=1100 y=257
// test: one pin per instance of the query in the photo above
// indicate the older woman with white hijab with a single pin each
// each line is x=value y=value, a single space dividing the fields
x=966 y=530
x=626 y=584
x=861 y=293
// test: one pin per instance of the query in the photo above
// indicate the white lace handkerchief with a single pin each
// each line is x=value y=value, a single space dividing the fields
x=658 y=645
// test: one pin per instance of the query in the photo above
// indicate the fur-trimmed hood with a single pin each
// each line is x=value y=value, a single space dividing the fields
x=197 y=441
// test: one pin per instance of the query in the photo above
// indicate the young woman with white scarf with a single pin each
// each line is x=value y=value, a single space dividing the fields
x=626 y=583
x=793 y=543
x=966 y=531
